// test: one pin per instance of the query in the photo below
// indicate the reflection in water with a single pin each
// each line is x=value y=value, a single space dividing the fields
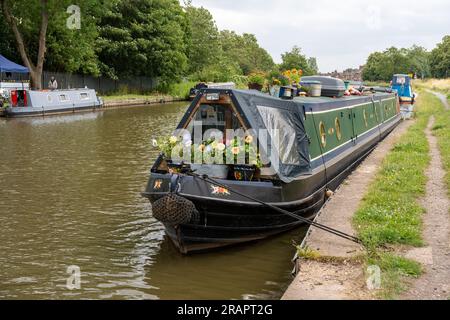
x=71 y=196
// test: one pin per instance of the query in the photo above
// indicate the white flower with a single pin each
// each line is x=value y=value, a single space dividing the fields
x=155 y=143
x=221 y=147
x=173 y=139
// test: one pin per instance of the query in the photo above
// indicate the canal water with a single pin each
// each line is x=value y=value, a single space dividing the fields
x=70 y=198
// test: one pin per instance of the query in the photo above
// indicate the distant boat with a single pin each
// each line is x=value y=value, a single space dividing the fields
x=45 y=102
x=401 y=83
x=322 y=139
x=202 y=85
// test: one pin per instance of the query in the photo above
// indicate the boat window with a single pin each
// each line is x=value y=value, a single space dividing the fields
x=323 y=134
x=280 y=126
x=337 y=124
x=63 y=97
x=215 y=116
x=84 y=96
x=49 y=98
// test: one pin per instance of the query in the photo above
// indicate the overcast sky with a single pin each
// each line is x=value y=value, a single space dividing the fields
x=340 y=33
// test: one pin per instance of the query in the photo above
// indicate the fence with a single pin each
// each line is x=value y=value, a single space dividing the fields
x=101 y=85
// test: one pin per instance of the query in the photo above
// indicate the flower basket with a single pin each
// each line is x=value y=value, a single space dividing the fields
x=243 y=172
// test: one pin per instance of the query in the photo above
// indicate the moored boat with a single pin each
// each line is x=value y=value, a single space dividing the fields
x=48 y=102
x=307 y=147
x=402 y=84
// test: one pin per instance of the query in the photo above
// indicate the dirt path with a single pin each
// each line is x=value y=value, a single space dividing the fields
x=441 y=97
x=434 y=284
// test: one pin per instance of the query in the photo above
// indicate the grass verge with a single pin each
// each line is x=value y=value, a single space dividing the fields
x=390 y=213
x=441 y=130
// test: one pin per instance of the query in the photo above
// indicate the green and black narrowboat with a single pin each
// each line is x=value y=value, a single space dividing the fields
x=322 y=140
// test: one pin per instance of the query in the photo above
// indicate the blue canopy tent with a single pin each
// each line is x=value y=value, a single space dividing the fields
x=8 y=68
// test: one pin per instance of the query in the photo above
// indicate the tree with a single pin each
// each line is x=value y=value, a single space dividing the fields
x=203 y=47
x=144 y=37
x=42 y=37
x=440 y=59
x=294 y=59
x=419 y=60
x=14 y=20
x=246 y=51
x=383 y=65
x=312 y=65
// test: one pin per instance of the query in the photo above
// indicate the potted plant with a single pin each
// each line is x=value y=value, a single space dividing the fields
x=248 y=151
x=256 y=81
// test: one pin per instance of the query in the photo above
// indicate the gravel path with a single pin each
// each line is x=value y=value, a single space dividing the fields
x=441 y=97
x=434 y=284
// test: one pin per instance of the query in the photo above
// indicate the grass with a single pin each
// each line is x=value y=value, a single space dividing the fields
x=389 y=213
x=440 y=85
x=178 y=90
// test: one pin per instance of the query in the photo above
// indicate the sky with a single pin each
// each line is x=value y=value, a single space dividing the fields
x=341 y=33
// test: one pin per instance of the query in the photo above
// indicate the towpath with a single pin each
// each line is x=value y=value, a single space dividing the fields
x=441 y=97
x=434 y=284
x=339 y=275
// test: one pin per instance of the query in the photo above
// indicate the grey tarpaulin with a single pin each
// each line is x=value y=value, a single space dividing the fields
x=290 y=158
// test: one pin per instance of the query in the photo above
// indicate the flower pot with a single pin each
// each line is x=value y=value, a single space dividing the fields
x=255 y=86
x=217 y=171
x=243 y=173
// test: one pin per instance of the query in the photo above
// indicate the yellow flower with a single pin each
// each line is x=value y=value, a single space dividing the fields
x=214 y=145
x=173 y=139
x=235 y=150
x=201 y=147
x=248 y=139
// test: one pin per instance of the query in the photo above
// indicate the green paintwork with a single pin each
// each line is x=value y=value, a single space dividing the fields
x=352 y=123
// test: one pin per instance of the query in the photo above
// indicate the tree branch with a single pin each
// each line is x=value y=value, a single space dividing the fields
x=19 y=39
x=42 y=36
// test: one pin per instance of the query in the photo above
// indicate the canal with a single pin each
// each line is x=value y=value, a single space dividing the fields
x=70 y=196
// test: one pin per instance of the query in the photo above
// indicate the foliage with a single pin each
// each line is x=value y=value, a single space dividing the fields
x=294 y=59
x=68 y=50
x=245 y=50
x=416 y=60
x=440 y=59
x=145 y=38
x=276 y=78
x=257 y=77
x=203 y=47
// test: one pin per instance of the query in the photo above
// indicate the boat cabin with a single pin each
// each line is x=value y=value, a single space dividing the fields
x=402 y=84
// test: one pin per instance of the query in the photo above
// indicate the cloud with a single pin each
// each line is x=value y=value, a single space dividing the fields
x=340 y=34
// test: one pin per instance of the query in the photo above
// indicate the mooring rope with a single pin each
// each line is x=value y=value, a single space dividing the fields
x=275 y=208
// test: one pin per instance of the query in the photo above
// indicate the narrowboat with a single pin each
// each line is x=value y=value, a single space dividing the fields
x=49 y=102
x=306 y=146
x=402 y=84
x=201 y=85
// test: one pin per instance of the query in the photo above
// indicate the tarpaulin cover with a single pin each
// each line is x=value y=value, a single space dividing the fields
x=284 y=122
x=9 y=66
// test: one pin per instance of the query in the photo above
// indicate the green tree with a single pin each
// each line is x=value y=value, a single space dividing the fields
x=312 y=65
x=294 y=59
x=419 y=60
x=440 y=59
x=42 y=37
x=144 y=37
x=245 y=50
x=382 y=65
x=203 y=45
